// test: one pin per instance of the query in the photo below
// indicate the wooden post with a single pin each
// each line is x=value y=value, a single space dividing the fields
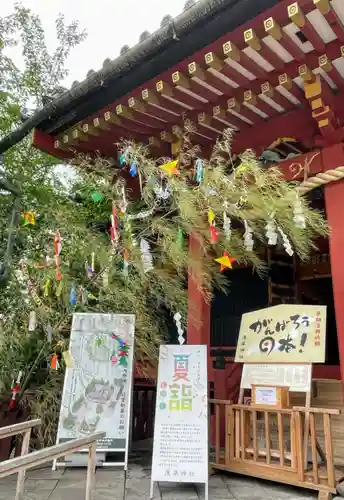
x=21 y=473
x=91 y=471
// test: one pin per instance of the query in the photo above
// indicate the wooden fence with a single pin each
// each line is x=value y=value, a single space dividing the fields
x=143 y=412
x=28 y=460
x=272 y=444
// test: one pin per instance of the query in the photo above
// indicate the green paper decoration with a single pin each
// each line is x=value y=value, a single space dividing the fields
x=97 y=196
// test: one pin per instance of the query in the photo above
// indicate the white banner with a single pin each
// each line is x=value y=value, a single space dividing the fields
x=297 y=377
x=180 y=450
x=97 y=389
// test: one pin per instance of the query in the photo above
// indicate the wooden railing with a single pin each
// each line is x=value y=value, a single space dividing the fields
x=28 y=460
x=270 y=443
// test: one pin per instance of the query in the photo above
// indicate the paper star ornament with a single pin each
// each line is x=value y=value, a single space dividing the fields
x=225 y=261
x=170 y=168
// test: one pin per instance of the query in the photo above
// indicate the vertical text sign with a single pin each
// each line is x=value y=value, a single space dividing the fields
x=180 y=452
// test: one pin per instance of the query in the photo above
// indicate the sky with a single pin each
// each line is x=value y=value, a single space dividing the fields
x=110 y=24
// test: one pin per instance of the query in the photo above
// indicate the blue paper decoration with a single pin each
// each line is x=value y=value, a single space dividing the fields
x=122 y=160
x=199 y=170
x=73 y=296
x=133 y=169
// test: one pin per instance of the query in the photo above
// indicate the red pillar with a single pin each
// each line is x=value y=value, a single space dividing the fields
x=334 y=198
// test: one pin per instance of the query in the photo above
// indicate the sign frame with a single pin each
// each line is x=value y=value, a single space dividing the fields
x=128 y=387
x=163 y=355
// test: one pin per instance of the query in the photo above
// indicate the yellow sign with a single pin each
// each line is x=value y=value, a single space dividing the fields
x=288 y=333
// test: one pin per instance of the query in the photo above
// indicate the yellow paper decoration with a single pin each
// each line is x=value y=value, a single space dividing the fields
x=29 y=218
x=225 y=261
x=211 y=216
x=170 y=168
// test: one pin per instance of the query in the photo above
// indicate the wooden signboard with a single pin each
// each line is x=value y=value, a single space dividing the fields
x=180 y=448
x=287 y=333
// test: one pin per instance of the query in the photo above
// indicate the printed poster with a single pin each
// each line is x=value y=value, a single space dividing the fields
x=180 y=450
x=287 y=333
x=97 y=389
x=297 y=377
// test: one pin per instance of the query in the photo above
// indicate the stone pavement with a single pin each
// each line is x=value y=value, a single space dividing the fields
x=69 y=484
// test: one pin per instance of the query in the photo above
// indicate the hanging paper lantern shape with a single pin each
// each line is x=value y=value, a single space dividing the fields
x=97 y=196
x=29 y=219
x=125 y=262
x=73 y=296
x=225 y=261
x=248 y=237
x=146 y=256
x=286 y=243
x=170 y=168
x=133 y=169
x=58 y=249
x=199 y=170
x=270 y=232
x=299 y=217
x=227 y=226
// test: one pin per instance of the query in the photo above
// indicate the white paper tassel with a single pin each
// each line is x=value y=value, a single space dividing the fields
x=177 y=317
x=286 y=243
x=299 y=217
x=271 y=232
x=248 y=238
x=227 y=226
x=146 y=256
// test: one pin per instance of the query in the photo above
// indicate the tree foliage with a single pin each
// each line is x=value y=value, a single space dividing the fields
x=141 y=265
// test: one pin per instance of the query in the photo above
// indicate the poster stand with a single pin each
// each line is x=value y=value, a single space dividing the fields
x=189 y=426
x=90 y=325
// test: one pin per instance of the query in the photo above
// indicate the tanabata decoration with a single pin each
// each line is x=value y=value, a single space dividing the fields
x=46 y=288
x=199 y=170
x=67 y=357
x=170 y=168
x=114 y=225
x=133 y=169
x=122 y=160
x=227 y=226
x=177 y=318
x=248 y=238
x=32 y=321
x=97 y=196
x=15 y=389
x=125 y=262
x=29 y=219
x=270 y=232
x=49 y=332
x=299 y=217
x=120 y=355
x=180 y=237
x=225 y=261
x=146 y=256
x=211 y=220
x=58 y=248
x=54 y=362
x=73 y=296
x=286 y=243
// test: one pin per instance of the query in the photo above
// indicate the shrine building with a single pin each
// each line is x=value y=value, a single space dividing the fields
x=273 y=70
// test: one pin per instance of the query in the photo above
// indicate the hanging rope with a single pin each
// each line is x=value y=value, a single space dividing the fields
x=321 y=179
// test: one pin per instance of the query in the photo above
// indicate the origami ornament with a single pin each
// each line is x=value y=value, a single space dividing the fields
x=54 y=363
x=180 y=237
x=227 y=226
x=29 y=219
x=97 y=196
x=270 y=232
x=170 y=168
x=286 y=243
x=73 y=296
x=299 y=217
x=225 y=261
x=177 y=317
x=114 y=225
x=248 y=238
x=146 y=256
x=133 y=169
